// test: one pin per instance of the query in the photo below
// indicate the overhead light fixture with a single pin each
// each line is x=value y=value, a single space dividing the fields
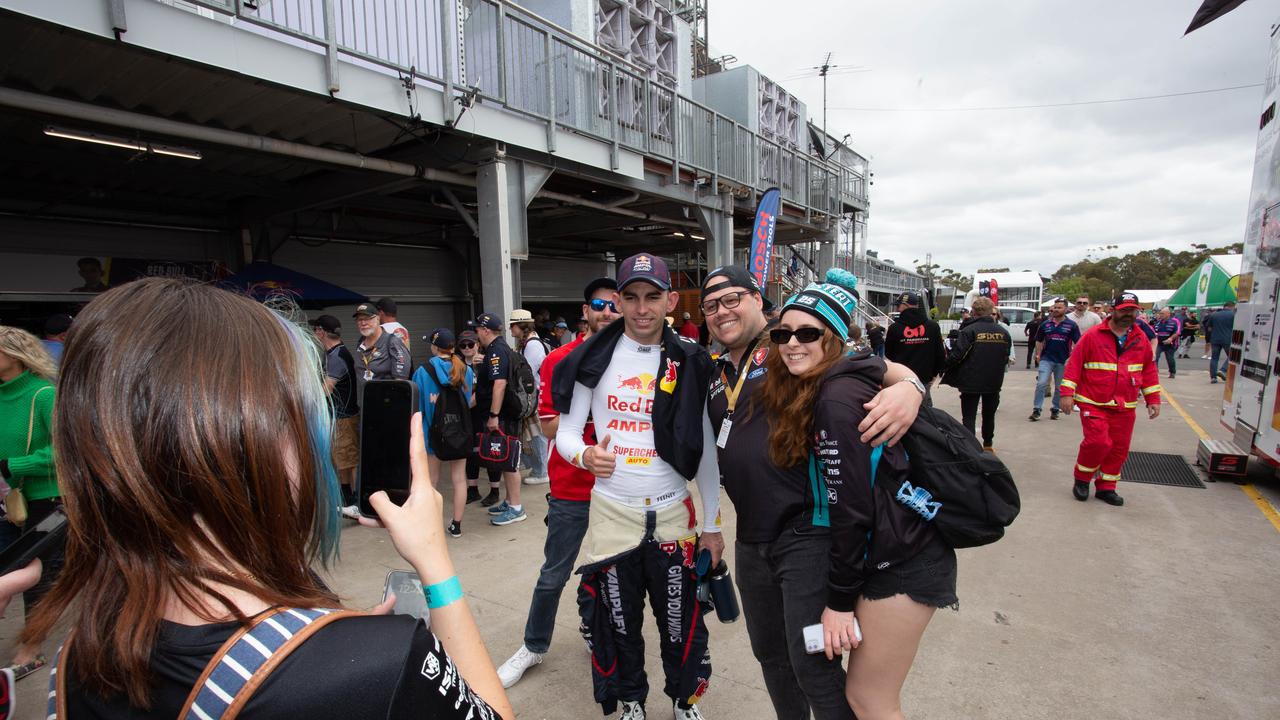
x=125 y=143
x=680 y=234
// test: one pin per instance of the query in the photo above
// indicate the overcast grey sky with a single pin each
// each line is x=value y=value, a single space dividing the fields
x=1028 y=189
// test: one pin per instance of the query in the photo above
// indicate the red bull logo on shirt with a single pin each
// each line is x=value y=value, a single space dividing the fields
x=643 y=383
x=668 y=383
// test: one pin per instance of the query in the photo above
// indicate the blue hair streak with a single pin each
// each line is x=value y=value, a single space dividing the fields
x=318 y=407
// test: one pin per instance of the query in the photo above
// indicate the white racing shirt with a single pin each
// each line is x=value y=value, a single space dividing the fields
x=621 y=406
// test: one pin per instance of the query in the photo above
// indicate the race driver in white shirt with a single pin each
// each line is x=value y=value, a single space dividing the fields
x=645 y=389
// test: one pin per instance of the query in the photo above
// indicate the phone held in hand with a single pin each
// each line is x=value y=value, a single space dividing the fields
x=815 y=642
x=410 y=600
x=385 y=412
x=34 y=542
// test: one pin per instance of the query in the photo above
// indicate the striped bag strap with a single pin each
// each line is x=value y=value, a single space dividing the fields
x=236 y=671
x=245 y=661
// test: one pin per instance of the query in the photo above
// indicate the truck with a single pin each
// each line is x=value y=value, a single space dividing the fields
x=1251 y=397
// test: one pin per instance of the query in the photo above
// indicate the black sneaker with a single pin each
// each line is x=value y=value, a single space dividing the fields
x=1053 y=414
x=455 y=529
x=473 y=494
x=1109 y=497
x=1035 y=415
x=1081 y=490
x=490 y=499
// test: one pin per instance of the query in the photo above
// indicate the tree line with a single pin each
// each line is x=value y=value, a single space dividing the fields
x=1104 y=276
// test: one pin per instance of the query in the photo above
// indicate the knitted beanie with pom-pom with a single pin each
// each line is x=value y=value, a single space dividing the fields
x=834 y=302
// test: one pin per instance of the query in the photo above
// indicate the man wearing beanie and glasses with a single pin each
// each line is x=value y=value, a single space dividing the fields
x=1109 y=369
x=781 y=557
x=645 y=389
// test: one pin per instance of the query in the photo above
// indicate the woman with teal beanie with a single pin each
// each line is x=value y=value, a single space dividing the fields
x=27 y=374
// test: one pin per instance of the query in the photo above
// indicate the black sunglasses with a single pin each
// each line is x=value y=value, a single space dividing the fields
x=599 y=305
x=782 y=336
x=466 y=345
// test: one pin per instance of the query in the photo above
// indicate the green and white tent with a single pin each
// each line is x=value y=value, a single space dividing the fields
x=1211 y=285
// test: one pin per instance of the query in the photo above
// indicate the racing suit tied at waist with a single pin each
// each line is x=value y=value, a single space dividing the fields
x=615 y=528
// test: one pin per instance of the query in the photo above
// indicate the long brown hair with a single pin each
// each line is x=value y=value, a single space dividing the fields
x=191 y=437
x=457 y=368
x=789 y=400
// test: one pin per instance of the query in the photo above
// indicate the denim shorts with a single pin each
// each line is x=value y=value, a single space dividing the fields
x=929 y=578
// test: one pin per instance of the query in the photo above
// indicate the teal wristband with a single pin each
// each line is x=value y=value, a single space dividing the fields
x=443 y=593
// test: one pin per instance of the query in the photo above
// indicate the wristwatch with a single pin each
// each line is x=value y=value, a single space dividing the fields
x=493 y=414
x=915 y=382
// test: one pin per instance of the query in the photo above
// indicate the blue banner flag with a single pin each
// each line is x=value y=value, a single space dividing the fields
x=762 y=235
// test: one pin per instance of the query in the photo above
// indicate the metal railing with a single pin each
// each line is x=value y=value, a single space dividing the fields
x=515 y=59
x=872 y=274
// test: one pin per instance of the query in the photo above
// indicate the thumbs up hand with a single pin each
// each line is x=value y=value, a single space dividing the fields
x=599 y=459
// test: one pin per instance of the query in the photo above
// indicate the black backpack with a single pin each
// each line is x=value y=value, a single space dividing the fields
x=523 y=387
x=968 y=494
x=450 y=432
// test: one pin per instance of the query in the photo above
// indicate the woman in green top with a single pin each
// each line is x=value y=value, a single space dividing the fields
x=27 y=374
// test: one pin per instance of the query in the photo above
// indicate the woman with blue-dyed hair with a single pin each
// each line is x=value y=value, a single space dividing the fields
x=191 y=435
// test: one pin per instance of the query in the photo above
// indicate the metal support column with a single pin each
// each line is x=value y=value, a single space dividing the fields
x=724 y=239
x=827 y=244
x=497 y=282
x=717 y=226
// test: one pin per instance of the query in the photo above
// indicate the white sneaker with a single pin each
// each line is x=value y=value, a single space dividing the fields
x=537 y=480
x=1204 y=357
x=632 y=710
x=350 y=511
x=687 y=714
x=513 y=669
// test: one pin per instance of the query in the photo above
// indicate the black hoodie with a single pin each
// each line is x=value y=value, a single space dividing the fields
x=916 y=341
x=677 y=415
x=870 y=529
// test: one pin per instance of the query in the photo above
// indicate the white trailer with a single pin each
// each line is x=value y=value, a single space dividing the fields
x=1251 y=398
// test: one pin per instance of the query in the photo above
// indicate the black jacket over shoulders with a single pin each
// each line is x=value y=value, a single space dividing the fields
x=677 y=415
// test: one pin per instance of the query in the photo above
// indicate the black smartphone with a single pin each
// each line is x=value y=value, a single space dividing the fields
x=410 y=600
x=385 y=412
x=33 y=542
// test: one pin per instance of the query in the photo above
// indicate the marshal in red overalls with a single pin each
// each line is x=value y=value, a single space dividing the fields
x=1105 y=376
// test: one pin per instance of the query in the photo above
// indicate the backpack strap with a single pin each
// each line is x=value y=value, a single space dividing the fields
x=249 y=656
x=237 y=669
x=818 y=486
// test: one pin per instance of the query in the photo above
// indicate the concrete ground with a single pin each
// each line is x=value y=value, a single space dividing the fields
x=1160 y=609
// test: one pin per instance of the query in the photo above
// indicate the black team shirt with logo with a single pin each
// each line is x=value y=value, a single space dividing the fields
x=769 y=500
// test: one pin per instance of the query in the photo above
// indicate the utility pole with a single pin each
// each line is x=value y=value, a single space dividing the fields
x=822 y=71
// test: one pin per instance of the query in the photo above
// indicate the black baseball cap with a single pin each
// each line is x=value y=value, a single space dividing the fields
x=909 y=298
x=729 y=276
x=644 y=266
x=441 y=338
x=365 y=309
x=57 y=324
x=386 y=305
x=594 y=285
x=468 y=336
x=328 y=322
x=487 y=320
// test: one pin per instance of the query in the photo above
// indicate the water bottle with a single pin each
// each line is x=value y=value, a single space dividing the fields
x=715 y=585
